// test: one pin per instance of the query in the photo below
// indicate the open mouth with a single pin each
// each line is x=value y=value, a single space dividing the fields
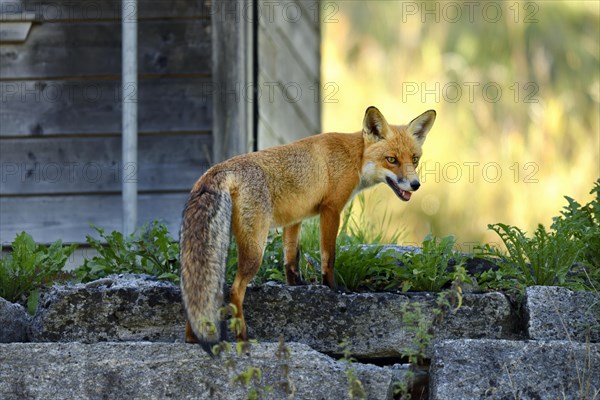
x=403 y=194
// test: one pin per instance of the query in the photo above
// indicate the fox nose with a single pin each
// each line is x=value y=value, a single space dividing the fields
x=415 y=185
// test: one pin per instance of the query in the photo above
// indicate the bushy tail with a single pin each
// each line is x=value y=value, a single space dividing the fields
x=204 y=242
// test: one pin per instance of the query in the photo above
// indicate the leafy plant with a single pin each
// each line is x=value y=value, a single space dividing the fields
x=284 y=355
x=249 y=379
x=568 y=254
x=151 y=251
x=31 y=266
x=416 y=323
x=420 y=326
x=582 y=223
x=546 y=258
x=428 y=271
x=365 y=267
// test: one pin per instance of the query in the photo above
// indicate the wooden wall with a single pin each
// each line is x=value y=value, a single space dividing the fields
x=60 y=97
x=289 y=62
x=60 y=103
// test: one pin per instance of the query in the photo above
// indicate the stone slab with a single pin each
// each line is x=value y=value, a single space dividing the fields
x=371 y=323
x=502 y=369
x=556 y=313
x=134 y=308
x=145 y=370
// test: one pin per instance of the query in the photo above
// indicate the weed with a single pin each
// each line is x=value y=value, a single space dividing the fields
x=283 y=354
x=567 y=254
x=150 y=251
x=582 y=224
x=360 y=267
x=421 y=329
x=544 y=259
x=31 y=266
x=428 y=271
x=250 y=378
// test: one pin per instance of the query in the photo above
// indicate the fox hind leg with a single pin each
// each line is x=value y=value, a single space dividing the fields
x=190 y=336
x=251 y=245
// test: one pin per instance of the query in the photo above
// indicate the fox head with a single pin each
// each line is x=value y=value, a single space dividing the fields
x=392 y=152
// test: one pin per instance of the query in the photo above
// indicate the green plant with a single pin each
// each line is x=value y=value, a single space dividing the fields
x=582 y=223
x=428 y=271
x=151 y=251
x=29 y=267
x=567 y=254
x=284 y=355
x=250 y=378
x=546 y=258
x=359 y=267
x=420 y=327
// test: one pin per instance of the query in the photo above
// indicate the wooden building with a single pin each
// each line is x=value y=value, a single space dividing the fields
x=215 y=79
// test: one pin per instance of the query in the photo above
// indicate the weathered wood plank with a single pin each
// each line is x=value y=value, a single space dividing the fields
x=94 y=49
x=36 y=108
x=69 y=10
x=91 y=164
x=293 y=26
x=232 y=77
x=50 y=218
x=289 y=79
x=14 y=31
x=282 y=134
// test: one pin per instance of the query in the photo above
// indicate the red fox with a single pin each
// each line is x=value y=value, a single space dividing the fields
x=280 y=187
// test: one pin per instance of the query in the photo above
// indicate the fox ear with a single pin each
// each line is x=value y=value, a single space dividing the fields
x=420 y=126
x=374 y=124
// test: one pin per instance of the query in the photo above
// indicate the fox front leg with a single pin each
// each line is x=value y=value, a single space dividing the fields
x=291 y=251
x=330 y=222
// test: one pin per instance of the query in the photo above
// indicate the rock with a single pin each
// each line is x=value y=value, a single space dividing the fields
x=14 y=322
x=175 y=370
x=501 y=369
x=396 y=248
x=371 y=323
x=117 y=308
x=140 y=308
x=555 y=313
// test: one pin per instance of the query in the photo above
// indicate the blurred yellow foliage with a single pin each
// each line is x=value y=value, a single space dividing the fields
x=517 y=89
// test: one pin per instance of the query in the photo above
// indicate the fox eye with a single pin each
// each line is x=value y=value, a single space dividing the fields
x=415 y=160
x=392 y=160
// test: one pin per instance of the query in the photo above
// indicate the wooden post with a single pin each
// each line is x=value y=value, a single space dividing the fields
x=233 y=86
x=129 y=91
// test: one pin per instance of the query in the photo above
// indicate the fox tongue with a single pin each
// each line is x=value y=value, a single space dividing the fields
x=405 y=195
